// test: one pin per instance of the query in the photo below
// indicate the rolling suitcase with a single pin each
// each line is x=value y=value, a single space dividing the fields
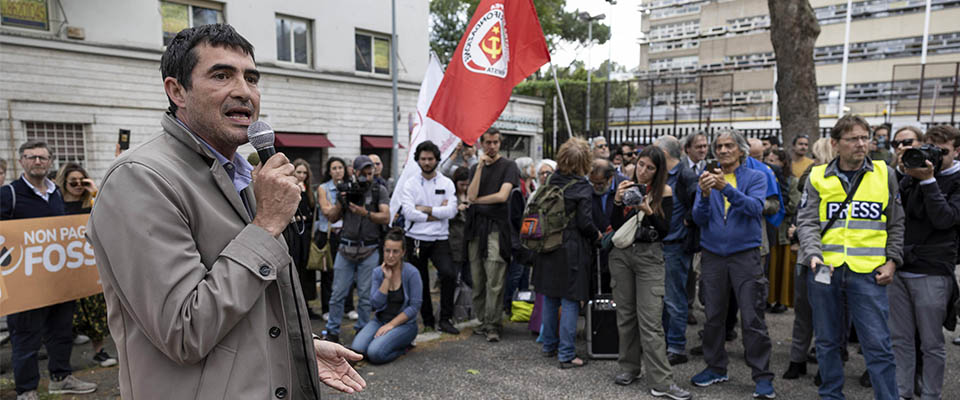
x=603 y=340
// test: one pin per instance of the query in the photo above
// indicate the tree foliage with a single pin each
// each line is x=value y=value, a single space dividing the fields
x=449 y=20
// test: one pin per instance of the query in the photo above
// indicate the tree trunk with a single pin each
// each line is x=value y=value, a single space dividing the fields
x=793 y=32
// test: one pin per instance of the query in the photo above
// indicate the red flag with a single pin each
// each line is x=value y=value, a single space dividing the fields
x=502 y=46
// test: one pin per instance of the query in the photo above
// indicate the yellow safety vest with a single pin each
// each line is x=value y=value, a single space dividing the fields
x=859 y=235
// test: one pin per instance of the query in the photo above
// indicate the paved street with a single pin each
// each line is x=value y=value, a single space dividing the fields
x=466 y=366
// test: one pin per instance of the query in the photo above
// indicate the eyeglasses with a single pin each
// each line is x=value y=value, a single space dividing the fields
x=36 y=158
x=602 y=145
x=864 y=139
x=905 y=142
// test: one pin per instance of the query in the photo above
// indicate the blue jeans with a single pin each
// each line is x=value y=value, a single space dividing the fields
x=344 y=272
x=869 y=309
x=518 y=278
x=386 y=348
x=675 y=299
x=569 y=312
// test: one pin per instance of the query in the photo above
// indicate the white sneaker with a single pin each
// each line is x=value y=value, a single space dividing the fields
x=31 y=395
x=81 y=339
x=104 y=359
x=326 y=316
x=353 y=315
x=71 y=384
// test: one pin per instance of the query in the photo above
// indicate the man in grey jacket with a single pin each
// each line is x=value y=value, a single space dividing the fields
x=852 y=258
x=203 y=300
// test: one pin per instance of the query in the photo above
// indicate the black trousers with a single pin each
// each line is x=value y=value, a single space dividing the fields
x=51 y=326
x=420 y=253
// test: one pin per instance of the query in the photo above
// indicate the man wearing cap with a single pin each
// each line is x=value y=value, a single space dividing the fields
x=363 y=208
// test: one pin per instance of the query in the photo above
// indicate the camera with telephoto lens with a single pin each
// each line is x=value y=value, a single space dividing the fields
x=633 y=196
x=917 y=157
x=353 y=190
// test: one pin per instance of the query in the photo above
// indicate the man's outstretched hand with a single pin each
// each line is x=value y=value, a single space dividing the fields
x=333 y=368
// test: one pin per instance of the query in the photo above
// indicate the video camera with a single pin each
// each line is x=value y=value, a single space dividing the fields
x=917 y=157
x=353 y=190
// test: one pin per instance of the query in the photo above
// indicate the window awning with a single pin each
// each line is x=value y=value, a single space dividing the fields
x=303 y=140
x=377 y=142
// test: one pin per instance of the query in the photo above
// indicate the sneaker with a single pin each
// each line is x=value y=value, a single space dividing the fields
x=764 y=390
x=676 y=358
x=330 y=337
x=956 y=341
x=707 y=377
x=104 y=359
x=696 y=351
x=865 y=379
x=626 y=378
x=81 y=339
x=446 y=326
x=326 y=316
x=353 y=315
x=795 y=370
x=479 y=331
x=70 y=384
x=31 y=395
x=493 y=336
x=673 y=392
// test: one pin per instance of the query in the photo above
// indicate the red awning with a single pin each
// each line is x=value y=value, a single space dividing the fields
x=302 y=140
x=377 y=142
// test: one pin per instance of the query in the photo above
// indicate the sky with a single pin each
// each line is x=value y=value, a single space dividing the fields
x=624 y=21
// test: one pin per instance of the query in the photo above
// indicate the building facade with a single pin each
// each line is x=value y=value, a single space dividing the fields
x=74 y=73
x=732 y=38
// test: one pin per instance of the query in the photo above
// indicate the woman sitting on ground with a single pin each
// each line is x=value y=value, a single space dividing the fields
x=395 y=296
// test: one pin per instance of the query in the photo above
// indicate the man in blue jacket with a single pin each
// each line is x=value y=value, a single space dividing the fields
x=729 y=210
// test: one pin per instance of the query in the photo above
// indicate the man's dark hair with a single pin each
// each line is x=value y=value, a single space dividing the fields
x=846 y=123
x=774 y=141
x=602 y=167
x=688 y=141
x=461 y=174
x=798 y=137
x=943 y=134
x=490 y=131
x=34 y=144
x=627 y=143
x=180 y=59
x=427 y=146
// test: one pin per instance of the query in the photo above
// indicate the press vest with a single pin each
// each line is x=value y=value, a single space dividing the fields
x=859 y=235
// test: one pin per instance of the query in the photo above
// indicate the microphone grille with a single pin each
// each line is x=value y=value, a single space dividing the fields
x=260 y=135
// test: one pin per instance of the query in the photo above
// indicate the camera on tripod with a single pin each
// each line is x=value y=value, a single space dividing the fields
x=353 y=190
x=917 y=157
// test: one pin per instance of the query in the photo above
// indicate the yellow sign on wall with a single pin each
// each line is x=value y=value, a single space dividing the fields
x=45 y=261
x=25 y=13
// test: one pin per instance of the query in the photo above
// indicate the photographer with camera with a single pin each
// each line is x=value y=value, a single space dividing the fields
x=363 y=205
x=923 y=288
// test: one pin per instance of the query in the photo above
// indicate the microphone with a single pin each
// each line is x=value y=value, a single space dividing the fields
x=261 y=137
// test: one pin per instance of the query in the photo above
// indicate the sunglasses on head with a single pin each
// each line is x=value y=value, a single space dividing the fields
x=905 y=142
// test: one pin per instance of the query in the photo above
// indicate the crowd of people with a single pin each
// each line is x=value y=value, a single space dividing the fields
x=864 y=249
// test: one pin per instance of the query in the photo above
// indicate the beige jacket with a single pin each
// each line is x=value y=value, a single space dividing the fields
x=200 y=302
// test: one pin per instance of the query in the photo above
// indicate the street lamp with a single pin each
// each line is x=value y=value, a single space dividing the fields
x=586 y=17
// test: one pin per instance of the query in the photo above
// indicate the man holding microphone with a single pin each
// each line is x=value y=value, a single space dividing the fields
x=202 y=298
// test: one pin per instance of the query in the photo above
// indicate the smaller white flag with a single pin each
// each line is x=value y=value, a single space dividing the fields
x=423 y=129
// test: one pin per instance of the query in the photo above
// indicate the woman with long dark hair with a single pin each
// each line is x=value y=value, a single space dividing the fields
x=300 y=243
x=90 y=318
x=637 y=275
x=334 y=172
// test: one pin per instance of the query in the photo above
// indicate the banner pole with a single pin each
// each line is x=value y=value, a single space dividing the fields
x=562 y=105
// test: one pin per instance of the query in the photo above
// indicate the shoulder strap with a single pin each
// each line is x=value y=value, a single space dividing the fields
x=853 y=190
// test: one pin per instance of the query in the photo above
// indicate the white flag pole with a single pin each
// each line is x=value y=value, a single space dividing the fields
x=562 y=105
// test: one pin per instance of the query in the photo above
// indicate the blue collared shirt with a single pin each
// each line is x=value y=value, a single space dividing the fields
x=239 y=170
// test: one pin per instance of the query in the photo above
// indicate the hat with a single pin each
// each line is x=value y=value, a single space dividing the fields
x=362 y=162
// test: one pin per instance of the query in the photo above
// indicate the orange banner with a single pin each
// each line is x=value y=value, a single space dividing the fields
x=45 y=261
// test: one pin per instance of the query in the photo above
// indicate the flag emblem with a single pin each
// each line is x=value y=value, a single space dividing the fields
x=486 y=50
